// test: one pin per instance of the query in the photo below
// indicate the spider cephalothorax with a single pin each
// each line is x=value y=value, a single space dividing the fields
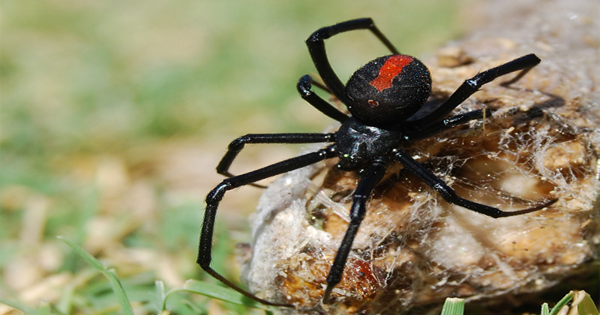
x=383 y=98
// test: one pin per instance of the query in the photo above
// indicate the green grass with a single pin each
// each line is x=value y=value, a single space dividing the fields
x=453 y=306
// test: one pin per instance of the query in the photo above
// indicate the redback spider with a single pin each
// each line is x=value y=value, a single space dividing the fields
x=383 y=98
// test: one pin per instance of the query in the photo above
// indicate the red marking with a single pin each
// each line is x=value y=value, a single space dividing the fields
x=373 y=103
x=390 y=69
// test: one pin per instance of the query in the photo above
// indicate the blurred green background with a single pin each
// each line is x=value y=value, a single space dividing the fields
x=114 y=115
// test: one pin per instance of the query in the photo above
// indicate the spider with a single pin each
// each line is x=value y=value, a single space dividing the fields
x=383 y=98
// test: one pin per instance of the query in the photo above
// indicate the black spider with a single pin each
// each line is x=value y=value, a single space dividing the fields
x=382 y=97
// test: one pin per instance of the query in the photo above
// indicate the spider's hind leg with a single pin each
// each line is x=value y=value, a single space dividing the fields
x=450 y=195
x=416 y=133
x=472 y=85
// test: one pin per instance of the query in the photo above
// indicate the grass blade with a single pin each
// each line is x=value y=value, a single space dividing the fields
x=545 y=309
x=217 y=292
x=586 y=306
x=45 y=309
x=23 y=308
x=453 y=306
x=562 y=303
x=108 y=273
x=161 y=295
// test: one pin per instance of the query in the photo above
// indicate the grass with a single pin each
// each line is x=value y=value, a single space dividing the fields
x=113 y=117
x=453 y=306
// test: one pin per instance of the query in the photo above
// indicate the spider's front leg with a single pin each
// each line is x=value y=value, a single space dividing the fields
x=362 y=193
x=304 y=87
x=450 y=195
x=216 y=195
x=238 y=144
x=316 y=47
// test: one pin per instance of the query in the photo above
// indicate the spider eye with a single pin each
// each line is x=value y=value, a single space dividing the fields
x=388 y=90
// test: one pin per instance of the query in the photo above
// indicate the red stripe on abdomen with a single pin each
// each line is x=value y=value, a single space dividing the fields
x=391 y=68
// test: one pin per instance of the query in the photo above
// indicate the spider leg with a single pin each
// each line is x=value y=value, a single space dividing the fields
x=450 y=195
x=216 y=195
x=238 y=144
x=368 y=182
x=472 y=85
x=320 y=85
x=305 y=89
x=516 y=78
x=446 y=124
x=316 y=47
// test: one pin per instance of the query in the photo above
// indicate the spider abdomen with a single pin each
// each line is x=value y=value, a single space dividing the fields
x=388 y=90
